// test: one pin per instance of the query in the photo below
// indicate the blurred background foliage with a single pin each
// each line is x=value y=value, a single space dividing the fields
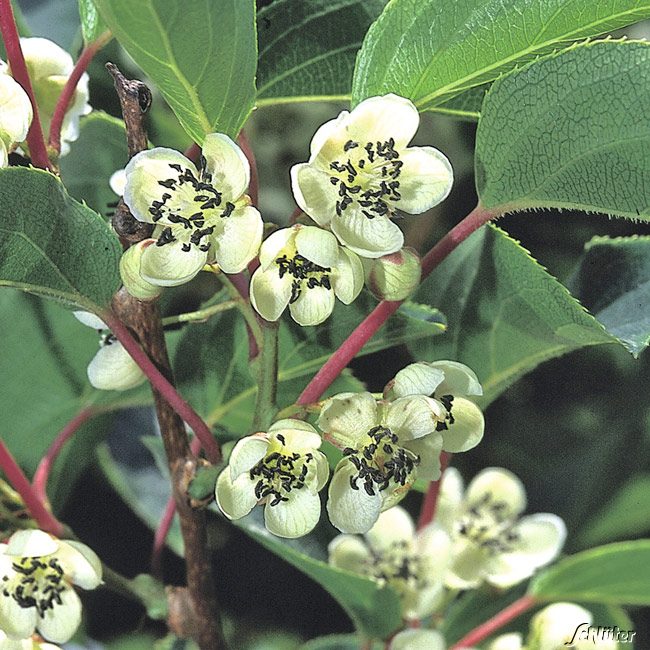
x=576 y=430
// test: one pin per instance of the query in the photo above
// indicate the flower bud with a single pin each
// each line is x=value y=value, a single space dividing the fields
x=133 y=282
x=393 y=276
x=112 y=368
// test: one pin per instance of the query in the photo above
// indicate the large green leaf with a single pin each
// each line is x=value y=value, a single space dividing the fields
x=53 y=246
x=506 y=313
x=613 y=282
x=99 y=151
x=617 y=574
x=570 y=131
x=627 y=514
x=201 y=55
x=91 y=24
x=430 y=51
x=308 y=49
x=220 y=386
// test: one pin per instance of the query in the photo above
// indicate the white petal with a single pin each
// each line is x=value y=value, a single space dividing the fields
x=170 y=265
x=270 y=294
x=325 y=131
x=80 y=564
x=90 y=320
x=117 y=181
x=502 y=486
x=459 y=379
x=228 y=165
x=434 y=547
x=15 y=111
x=510 y=641
x=295 y=517
x=467 y=429
x=322 y=470
x=272 y=247
x=558 y=624
x=367 y=237
x=450 y=498
x=113 y=368
x=240 y=240
x=296 y=439
x=235 y=499
x=418 y=640
x=414 y=417
x=425 y=181
x=246 y=454
x=394 y=525
x=541 y=539
x=314 y=193
x=295 y=425
x=428 y=448
x=351 y=511
x=317 y=245
x=467 y=569
x=347 y=417
x=313 y=306
x=349 y=552
x=4 y=155
x=45 y=57
x=31 y=543
x=144 y=171
x=416 y=379
x=16 y=621
x=60 y=622
x=347 y=278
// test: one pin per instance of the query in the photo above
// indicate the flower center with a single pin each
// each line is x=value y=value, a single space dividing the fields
x=305 y=274
x=398 y=566
x=447 y=402
x=38 y=582
x=380 y=461
x=488 y=524
x=189 y=210
x=279 y=473
x=368 y=175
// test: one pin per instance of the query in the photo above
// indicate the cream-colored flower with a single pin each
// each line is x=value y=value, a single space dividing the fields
x=282 y=470
x=33 y=643
x=201 y=217
x=37 y=574
x=388 y=443
x=412 y=563
x=304 y=267
x=418 y=639
x=15 y=114
x=394 y=276
x=492 y=542
x=112 y=368
x=361 y=172
x=49 y=67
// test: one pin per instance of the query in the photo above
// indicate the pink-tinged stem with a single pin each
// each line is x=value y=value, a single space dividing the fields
x=430 y=501
x=193 y=152
x=70 y=87
x=253 y=186
x=42 y=474
x=380 y=314
x=293 y=217
x=490 y=626
x=164 y=387
x=166 y=522
x=42 y=516
x=16 y=60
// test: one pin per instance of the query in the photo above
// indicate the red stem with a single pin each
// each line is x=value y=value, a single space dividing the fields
x=39 y=481
x=193 y=152
x=70 y=87
x=333 y=367
x=253 y=186
x=490 y=626
x=16 y=60
x=430 y=501
x=164 y=387
x=165 y=525
x=42 y=516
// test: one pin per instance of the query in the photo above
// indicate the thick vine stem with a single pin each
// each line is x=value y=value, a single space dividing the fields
x=145 y=322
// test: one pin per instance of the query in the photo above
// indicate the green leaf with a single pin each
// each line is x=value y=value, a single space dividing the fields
x=506 y=313
x=431 y=51
x=221 y=387
x=613 y=282
x=307 y=49
x=569 y=131
x=53 y=246
x=627 y=514
x=99 y=151
x=201 y=55
x=616 y=574
x=92 y=25
x=337 y=642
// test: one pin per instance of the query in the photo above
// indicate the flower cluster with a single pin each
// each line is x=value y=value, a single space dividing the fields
x=37 y=574
x=386 y=443
x=361 y=173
